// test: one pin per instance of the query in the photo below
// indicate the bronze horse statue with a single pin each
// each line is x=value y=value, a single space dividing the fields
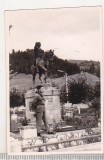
x=42 y=66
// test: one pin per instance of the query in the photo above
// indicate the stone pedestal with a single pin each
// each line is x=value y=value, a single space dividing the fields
x=69 y=114
x=14 y=124
x=14 y=117
x=68 y=110
x=28 y=100
x=27 y=132
x=52 y=105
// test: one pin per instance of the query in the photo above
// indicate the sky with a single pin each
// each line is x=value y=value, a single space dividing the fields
x=73 y=33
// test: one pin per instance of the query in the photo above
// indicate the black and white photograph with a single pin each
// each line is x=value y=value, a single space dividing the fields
x=53 y=63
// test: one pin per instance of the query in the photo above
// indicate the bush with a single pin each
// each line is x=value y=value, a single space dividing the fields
x=82 y=123
x=25 y=122
x=77 y=91
x=94 y=97
x=84 y=110
x=16 y=98
x=80 y=92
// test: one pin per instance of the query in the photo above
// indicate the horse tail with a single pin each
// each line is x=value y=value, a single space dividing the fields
x=33 y=69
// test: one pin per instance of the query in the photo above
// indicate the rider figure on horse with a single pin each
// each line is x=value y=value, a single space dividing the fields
x=38 y=55
x=42 y=59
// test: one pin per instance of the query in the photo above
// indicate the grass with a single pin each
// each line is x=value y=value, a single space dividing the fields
x=24 y=82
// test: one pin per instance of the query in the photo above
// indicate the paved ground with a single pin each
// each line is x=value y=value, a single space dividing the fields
x=94 y=147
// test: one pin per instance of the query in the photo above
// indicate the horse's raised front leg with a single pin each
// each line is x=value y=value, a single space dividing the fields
x=45 y=78
x=33 y=70
x=40 y=75
x=34 y=75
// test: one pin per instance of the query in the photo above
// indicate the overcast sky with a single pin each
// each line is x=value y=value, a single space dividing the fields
x=74 y=33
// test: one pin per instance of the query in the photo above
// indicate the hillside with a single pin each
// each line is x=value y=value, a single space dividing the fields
x=76 y=61
x=24 y=82
x=85 y=64
x=90 y=79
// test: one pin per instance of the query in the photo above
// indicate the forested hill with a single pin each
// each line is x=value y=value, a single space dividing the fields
x=90 y=66
x=21 y=62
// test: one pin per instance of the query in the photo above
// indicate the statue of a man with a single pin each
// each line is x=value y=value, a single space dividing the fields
x=38 y=54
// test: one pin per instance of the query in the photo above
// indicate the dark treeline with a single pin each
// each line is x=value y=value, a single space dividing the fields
x=21 y=62
x=93 y=69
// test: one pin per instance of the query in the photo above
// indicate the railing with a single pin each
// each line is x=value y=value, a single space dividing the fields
x=92 y=139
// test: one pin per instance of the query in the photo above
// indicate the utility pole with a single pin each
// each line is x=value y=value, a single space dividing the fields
x=66 y=83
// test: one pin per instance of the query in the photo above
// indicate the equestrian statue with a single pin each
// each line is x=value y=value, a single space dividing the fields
x=42 y=59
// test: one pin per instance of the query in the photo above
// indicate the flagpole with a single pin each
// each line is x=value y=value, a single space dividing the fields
x=66 y=83
x=66 y=80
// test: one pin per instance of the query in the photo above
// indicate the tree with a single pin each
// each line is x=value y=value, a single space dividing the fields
x=93 y=96
x=98 y=72
x=92 y=68
x=16 y=98
x=95 y=103
x=63 y=96
x=21 y=62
